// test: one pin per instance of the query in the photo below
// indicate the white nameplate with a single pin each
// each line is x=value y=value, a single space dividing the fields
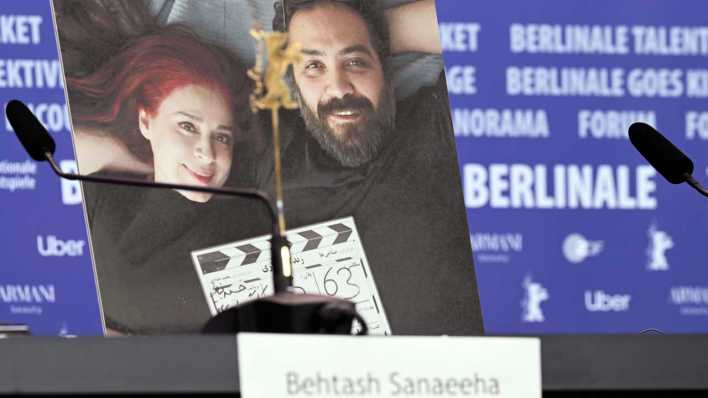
x=291 y=366
x=328 y=259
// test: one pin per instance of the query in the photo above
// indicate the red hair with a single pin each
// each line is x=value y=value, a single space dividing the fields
x=144 y=73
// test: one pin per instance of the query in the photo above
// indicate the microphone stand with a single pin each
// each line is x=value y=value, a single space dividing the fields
x=664 y=156
x=695 y=184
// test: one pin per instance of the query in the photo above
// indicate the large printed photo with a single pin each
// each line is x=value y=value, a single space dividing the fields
x=158 y=91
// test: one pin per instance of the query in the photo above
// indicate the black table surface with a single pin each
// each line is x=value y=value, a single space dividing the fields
x=207 y=364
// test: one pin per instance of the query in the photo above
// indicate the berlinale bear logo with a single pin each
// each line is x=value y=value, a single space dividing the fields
x=659 y=243
x=534 y=296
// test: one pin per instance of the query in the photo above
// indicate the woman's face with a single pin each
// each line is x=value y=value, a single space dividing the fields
x=191 y=135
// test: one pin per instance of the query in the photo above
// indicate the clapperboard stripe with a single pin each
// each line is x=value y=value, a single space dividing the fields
x=258 y=251
x=343 y=233
x=252 y=253
x=313 y=239
x=313 y=266
x=213 y=261
x=233 y=256
x=322 y=236
x=341 y=260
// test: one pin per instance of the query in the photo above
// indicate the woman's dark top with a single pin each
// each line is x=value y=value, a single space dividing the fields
x=142 y=241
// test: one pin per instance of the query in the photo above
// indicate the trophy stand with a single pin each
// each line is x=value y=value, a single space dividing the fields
x=284 y=311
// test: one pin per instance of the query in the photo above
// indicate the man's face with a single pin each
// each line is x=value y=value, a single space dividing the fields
x=344 y=100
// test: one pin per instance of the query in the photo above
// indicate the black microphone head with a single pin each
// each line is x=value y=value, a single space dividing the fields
x=32 y=134
x=668 y=160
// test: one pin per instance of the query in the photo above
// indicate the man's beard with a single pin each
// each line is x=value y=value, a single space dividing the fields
x=355 y=143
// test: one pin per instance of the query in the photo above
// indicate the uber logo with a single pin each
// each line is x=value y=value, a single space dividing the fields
x=70 y=190
x=53 y=247
x=599 y=301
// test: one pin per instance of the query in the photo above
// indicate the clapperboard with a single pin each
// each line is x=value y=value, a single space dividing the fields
x=328 y=259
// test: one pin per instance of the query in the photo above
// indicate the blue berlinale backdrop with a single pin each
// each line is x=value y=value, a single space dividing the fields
x=572 y=230
x=46 y=280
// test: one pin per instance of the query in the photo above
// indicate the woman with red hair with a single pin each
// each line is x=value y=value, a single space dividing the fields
x=167 y=102
x=168 y=107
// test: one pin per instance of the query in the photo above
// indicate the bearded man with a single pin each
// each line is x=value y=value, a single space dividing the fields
x=356 y=151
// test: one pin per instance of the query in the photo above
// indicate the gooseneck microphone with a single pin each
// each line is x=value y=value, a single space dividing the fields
x=31 y=133
x=664 y=156
x=284 y=312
